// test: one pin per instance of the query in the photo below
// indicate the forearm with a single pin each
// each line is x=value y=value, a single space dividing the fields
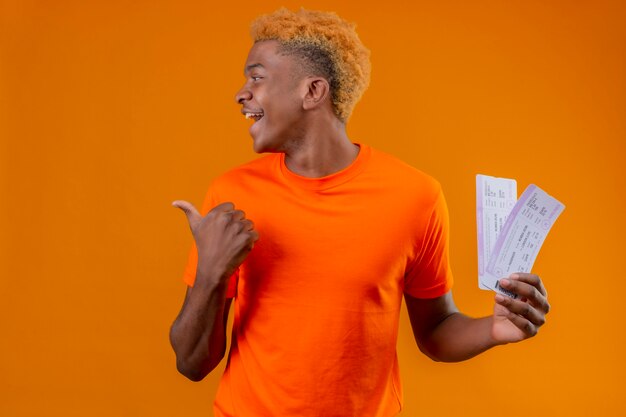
x=458 y=338
x=198 y=335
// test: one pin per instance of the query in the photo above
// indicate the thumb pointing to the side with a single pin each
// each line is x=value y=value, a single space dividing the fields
x=190 y=211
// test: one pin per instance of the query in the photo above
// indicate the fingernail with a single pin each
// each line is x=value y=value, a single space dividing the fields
x=514 y=276
x=499 y=298
x=505 y=282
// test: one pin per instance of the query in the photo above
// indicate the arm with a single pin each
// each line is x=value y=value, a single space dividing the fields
x=445 y=334
x=198 y=335
x=224 y=238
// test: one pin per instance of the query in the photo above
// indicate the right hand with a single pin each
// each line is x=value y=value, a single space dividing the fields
x=224 y=237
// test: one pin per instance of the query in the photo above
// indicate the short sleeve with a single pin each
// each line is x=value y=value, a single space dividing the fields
x=429 y=275
x=189 y=275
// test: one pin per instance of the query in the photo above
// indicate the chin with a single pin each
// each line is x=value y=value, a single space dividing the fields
x=258 y=147
x=261 y=146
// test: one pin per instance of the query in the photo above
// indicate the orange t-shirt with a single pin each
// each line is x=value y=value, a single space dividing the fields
x=317 y=300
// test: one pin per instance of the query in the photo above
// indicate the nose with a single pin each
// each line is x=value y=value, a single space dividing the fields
x=243 y=95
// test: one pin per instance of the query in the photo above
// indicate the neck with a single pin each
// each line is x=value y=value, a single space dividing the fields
x=324 y=150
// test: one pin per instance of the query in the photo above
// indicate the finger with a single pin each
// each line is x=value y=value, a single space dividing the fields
x=193 y=217
x=238 y=215
x=526 y=291
x=227 y=206
x=247 y=224
x=233 y=220
x=248 y=239
x=523 y=324
x=531 y=279
x=523 y=309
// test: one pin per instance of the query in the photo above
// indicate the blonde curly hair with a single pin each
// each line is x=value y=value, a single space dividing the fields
x=326 y=45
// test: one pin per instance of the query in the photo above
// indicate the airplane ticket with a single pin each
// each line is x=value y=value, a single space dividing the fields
x=521 y=237
x=495 y=197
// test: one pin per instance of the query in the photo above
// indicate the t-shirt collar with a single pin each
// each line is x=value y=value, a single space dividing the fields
x=332 y=180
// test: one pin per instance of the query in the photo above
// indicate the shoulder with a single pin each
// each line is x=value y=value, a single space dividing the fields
x=410 y=179
x=255 y=170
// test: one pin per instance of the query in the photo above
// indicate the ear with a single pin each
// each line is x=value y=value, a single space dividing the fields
x=318 y=90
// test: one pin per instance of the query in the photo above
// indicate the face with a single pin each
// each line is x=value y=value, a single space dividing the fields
x=272 y=96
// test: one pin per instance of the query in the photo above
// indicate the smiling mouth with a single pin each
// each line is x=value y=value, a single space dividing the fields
x=255 y=116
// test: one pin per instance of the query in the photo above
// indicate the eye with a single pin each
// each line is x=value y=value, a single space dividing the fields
x=255 y=78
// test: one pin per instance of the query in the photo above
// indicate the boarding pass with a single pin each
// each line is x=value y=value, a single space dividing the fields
x=495 y=197
x=520 y=237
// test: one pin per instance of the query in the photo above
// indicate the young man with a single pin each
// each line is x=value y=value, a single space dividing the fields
x=317 y=242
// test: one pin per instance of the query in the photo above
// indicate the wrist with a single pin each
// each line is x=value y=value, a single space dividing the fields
x=211 y=275
x=495 y=339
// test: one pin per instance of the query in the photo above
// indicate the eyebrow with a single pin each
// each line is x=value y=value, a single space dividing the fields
x=251 y=66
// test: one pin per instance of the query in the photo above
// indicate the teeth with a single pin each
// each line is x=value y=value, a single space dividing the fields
x=249 y=115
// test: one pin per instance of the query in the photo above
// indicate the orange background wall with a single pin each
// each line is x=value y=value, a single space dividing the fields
x=110 y=110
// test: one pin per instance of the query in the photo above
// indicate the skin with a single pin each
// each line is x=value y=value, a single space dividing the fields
x=224 y=237
x=299 y=121
x=298 y=116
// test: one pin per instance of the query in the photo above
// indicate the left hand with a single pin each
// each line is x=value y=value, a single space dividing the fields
x=516 y=320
